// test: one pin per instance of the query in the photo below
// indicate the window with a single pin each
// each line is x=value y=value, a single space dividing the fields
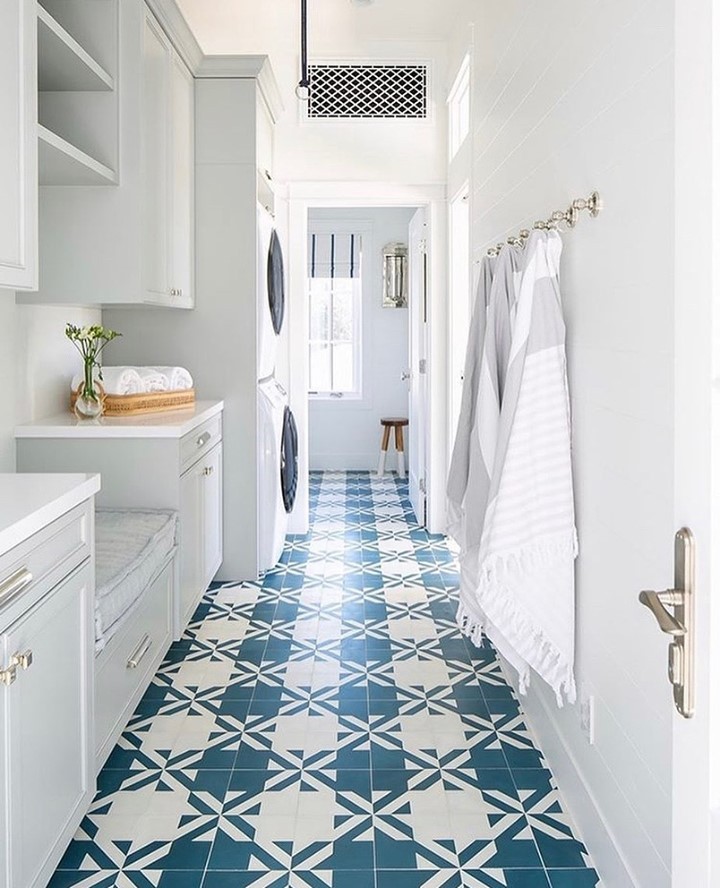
x=335 y=298
x=459 y=108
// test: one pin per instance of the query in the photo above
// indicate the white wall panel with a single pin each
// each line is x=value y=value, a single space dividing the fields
x=578 y=95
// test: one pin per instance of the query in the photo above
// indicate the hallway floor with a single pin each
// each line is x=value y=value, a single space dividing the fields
x=330 y=726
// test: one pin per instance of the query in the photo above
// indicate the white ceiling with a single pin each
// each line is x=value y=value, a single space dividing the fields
x=336 y=26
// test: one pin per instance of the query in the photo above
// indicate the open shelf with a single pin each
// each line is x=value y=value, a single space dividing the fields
x=63 y=164
x=63 y=65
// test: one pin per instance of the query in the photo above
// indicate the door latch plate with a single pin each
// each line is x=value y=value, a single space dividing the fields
x=674 y=610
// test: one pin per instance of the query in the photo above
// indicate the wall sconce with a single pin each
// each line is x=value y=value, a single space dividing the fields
x=395 y=276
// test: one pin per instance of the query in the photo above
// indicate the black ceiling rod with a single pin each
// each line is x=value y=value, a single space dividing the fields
x=303 y=88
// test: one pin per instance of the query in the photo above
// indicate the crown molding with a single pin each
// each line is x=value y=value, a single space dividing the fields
x=173 y=23
x=256 y=67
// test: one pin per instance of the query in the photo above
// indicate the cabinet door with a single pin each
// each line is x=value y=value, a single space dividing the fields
x=157 y=54
x=212 y=513
x=49 y=728
x=18 y=145
x=192 y=484
x=182 y=229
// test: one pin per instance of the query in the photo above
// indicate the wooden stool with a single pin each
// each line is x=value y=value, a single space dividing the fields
x=388 y=424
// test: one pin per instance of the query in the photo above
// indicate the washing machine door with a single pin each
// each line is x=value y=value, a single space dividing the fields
x=289 y=460
x=276 y=282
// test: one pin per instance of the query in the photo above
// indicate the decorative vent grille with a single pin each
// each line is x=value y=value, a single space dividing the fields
x=368 y=91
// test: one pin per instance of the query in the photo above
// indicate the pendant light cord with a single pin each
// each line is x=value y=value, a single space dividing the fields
x=303 y=87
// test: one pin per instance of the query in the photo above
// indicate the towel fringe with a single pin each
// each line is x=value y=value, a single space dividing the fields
x=497 y=601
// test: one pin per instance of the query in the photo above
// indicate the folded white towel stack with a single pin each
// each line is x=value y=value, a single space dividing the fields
x=140 y=380
x=178 y=377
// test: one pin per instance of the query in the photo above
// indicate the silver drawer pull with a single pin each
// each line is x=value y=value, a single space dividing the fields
x=14 y=585
x=208 y=470
x=138 y=654
x=203 y=439
x=23 y=661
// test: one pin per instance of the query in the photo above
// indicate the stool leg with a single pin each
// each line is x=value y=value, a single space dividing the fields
x=383 y=451
x=400 y=447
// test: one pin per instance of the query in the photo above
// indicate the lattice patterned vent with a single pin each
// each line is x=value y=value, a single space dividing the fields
x=368 y=91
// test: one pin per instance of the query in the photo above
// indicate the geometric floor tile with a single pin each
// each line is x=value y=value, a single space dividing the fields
x=330 y=727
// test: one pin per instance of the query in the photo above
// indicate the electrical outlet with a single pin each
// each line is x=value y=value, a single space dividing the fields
x=587 y=715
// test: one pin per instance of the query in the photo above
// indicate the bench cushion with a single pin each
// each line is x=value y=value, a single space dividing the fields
x=131 y=546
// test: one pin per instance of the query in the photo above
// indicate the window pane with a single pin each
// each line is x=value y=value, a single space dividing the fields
x=343 y=310
x=344 y=367
x=320 y=380
x=320 y=309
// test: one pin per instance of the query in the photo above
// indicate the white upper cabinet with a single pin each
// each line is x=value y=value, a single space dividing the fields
x=18 y=145
x=157 y=59
x=168 y=171
x=116 y=109
x=182 y=190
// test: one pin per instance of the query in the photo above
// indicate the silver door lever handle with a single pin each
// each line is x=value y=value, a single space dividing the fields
x=658 y=602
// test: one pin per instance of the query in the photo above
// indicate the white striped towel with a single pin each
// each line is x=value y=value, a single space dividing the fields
x=526 y=587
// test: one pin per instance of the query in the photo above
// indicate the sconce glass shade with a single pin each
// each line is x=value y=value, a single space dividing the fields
x=395 y=276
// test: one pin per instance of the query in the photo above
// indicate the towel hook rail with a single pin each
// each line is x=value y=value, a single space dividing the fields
x=592 y=205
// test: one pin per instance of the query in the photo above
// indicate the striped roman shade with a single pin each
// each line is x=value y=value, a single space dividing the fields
x=334 y=255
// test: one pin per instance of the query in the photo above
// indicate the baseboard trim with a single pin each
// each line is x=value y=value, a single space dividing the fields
x=577 y=795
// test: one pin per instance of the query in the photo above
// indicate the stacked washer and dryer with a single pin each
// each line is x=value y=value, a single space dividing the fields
x=277 y=432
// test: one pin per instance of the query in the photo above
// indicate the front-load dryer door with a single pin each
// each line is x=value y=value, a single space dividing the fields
x=266 y=336
x=289 y=460
x=276 y=282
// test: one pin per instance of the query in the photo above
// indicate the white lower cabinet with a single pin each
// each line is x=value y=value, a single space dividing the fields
x=47 y=587
x=47 y=714
x=201 y=528
x=165 y=461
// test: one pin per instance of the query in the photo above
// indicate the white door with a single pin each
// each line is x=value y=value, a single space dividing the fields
x=459 y=304
x=157 y=54
x=182 y=256
x=696 y=493
x=46 y=746
x=418 y=401
x=212 y=513
x=192 y=545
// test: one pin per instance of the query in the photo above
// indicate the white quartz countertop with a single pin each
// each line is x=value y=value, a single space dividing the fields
x=173 y=424
x=30 y=502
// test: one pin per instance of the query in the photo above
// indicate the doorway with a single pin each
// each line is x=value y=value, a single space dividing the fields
x=358 y=338
x=307 y=204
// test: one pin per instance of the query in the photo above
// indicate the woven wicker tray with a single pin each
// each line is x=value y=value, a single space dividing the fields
x=153 y=402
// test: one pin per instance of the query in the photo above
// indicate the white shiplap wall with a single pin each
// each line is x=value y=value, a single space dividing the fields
x=568 y=97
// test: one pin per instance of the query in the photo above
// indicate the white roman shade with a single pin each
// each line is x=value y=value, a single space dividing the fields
x=334 y=255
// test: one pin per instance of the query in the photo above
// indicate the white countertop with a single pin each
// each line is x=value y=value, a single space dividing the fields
x=173 y=424
x=30 y=502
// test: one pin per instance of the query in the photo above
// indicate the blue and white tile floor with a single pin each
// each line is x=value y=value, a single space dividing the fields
x=330 y=726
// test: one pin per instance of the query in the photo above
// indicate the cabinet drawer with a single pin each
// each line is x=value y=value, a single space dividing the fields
x=198 y=442
x=128 y=663
x=35 y=566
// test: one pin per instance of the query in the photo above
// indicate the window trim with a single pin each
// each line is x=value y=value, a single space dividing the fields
x=462 y=86
x=364 y=229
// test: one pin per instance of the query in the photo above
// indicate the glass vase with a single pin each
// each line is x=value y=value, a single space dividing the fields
x=89 y=400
